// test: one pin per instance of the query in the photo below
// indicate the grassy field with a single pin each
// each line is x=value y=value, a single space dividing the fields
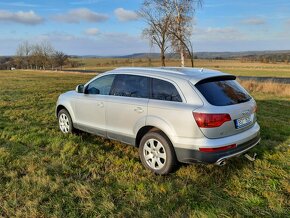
x=236 y=67
x=44 y=173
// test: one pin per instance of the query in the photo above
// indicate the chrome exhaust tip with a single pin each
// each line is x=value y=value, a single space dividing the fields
x=221 y=162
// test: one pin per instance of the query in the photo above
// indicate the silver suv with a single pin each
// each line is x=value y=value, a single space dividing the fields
x=171 y=114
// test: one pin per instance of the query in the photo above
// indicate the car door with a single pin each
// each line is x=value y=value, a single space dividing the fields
x=167 y=104
x=127 y=107
x=90 y=106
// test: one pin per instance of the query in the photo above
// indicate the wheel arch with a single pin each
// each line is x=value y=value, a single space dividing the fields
x=68 y=109
x=145 y=129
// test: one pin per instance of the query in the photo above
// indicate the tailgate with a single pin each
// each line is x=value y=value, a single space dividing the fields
x=224 y=95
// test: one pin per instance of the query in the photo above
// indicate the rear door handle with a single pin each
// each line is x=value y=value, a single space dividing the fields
x=100 y=104
x=138 y=109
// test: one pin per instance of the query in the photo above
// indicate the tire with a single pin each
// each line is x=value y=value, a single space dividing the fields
x=65 y=122
x=157 y=154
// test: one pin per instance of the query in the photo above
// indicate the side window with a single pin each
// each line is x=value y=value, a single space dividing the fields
x=101 y=86
x=163 y=90
x=131 y=86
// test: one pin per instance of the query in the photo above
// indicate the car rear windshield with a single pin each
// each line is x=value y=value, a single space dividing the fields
x=222 y=91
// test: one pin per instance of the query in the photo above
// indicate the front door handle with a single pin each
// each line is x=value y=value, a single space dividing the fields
x=138 y=109
x=100 y=104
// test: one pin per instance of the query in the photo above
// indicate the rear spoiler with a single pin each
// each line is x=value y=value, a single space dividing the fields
x=216 y=78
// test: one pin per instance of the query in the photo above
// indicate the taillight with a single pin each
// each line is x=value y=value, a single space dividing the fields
x=210 y=120
x=218 y=149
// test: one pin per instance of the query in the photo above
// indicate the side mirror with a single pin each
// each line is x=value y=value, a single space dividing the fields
x=80 y=88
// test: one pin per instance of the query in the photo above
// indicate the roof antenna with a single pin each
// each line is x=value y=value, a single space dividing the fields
x=201 y=70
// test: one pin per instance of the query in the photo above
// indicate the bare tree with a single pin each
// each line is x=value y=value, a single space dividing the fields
x=42 y=55
x=47 y=54
x=170 y=22
x=181 y=26
x=6 y=63
x=59 y=59
x=22 y=55
x=157 y=15
x=182 y=45
x=36 y=56
x=39 y=56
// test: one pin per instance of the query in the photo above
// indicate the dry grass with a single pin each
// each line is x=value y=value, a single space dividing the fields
x=277 y=89
x=44 y=173
x=236 y=67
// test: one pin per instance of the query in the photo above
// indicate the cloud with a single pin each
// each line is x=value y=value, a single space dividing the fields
x=254 y=21
x=107 y=43
x=54 y=36
x=81 y=14
x=126 y=15
x=29 y=18
x=117 y=43
x=84 y=2
x=92 y=32
x=19 y=4
x=216 y=34
x=241 y=45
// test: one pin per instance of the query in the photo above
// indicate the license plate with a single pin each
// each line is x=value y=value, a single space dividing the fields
x=243 y=121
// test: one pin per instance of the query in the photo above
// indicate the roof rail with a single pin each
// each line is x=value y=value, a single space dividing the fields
x=160 y=69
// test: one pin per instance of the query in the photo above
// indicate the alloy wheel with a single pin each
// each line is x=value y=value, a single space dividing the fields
x=154 y=154
x=64 y=123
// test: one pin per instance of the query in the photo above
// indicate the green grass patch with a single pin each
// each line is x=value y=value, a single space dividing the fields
x=45 y=173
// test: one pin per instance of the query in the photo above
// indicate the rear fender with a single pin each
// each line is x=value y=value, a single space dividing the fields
x=162 y=125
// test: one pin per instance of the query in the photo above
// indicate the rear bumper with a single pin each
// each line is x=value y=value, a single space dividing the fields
x=192 y=156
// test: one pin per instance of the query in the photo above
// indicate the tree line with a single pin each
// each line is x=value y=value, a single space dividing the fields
x=268 y=58
x=170 y=26
x=39 y=56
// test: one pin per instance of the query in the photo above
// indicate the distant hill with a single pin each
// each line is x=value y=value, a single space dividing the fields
x=239 y=54
x=201 y=55
x=135 y=55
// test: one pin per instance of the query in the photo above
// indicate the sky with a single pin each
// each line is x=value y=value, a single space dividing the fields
x=112 y=27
